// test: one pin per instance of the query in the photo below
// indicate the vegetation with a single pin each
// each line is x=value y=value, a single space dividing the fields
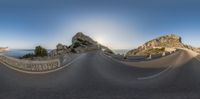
x=38 y=52
x=151 y=51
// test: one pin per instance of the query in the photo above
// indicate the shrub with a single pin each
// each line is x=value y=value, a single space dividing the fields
x=40 y=51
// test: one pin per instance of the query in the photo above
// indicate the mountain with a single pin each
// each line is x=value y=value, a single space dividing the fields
x=161 y=44
x=83 y=39
x=80 y=43
x=83 y=43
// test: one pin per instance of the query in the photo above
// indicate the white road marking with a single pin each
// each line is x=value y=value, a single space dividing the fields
x=155 y=75
x=148 y=77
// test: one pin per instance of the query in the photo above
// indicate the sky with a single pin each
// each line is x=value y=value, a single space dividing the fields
x=118 y=24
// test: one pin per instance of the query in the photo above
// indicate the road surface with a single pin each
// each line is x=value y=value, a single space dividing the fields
x=95 y=76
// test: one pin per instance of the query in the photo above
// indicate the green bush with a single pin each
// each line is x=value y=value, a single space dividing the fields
x=40 y=51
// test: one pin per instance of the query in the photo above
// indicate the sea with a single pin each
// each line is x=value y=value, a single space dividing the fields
x=121 y=51
x=17 y=53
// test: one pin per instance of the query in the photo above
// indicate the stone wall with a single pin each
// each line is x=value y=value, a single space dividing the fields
x=30 y=66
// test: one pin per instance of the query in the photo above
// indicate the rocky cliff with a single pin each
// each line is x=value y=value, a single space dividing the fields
x=83 y=43
x=83 y=39
x=80 y=43
x=60 y=50
x=159 y=45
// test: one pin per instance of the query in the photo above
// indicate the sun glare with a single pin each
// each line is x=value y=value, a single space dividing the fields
x=100 y=40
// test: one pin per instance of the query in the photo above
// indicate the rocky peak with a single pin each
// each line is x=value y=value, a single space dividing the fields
x=165 y=41
x=158 y=45
x=80 y=43
x=84 y=39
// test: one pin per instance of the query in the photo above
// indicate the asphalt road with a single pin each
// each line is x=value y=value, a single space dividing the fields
x=95 y=76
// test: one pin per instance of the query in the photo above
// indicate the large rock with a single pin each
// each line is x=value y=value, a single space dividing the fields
x=80 y=43
x=83 y=43
x=83 y=39
x=60 y=50
x=158 y=45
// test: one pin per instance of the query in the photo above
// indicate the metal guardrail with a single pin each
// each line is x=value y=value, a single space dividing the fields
x=30 y=66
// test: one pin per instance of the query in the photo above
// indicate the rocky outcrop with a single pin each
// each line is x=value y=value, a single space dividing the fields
x=165 y=41
x=83 y=39
x=159 y=45
x=80 y=43
x=60 y=50
x=83 y=43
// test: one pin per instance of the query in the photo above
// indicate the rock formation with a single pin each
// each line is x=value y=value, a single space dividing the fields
x=165 y=41
x=83 y=39
x=161 y=44
x=83 y=43
x=80 y=43
x=60 y=50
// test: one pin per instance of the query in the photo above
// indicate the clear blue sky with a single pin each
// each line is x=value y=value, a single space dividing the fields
x=119 y=24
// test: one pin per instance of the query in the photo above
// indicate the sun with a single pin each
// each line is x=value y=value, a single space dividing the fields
x=100 y=40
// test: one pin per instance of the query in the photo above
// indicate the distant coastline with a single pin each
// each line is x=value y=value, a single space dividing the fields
x=3 y=49
x=17 y=53
x=121 y=51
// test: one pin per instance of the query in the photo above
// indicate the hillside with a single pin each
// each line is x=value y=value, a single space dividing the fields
x=161 y=44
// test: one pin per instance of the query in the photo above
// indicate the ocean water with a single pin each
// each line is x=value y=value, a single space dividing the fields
x=121 y=51
x=17 y=52
x=21 y=52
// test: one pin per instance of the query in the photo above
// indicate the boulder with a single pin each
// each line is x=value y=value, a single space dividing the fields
x=60 y=50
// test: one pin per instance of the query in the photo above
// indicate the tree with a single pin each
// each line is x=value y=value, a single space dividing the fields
x=40 y=51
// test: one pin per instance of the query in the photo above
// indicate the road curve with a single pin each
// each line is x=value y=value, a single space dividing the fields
x=93 y=76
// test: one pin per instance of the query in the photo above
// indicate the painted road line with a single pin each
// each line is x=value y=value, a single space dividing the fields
x=156 y=75
x=142 y=78
x=110 y=58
